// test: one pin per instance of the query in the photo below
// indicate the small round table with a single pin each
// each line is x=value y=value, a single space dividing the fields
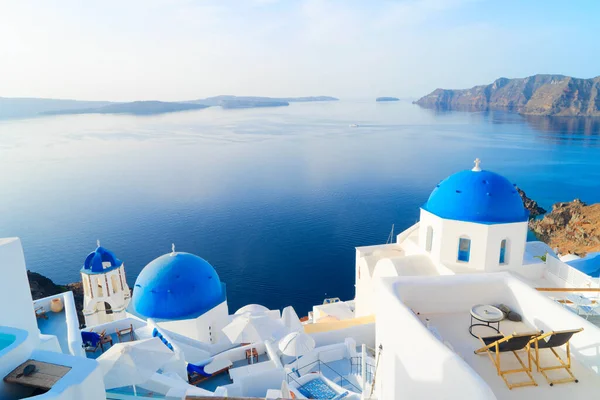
x=487 y=314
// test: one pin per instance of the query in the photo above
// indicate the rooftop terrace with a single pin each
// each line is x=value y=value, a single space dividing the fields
x=439 y=360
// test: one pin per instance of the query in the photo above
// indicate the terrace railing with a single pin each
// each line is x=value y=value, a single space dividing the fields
x=322 y=366
x=356 y=368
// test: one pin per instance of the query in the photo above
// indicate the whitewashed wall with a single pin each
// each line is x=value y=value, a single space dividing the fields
x=485 y=242
x=15 y=296
x=110 y=287
x=422 y=367
x=198 y=328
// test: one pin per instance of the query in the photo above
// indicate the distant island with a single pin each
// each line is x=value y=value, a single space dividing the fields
x=545 y=95
x=31 y=107
x=387 y=99
x=135 y=108
x=20 y=107
x=228 y=101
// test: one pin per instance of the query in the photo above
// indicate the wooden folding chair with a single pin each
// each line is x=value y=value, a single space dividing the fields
x=40 y=312
x=512 y=343
x=554 y=339
x=126 y=331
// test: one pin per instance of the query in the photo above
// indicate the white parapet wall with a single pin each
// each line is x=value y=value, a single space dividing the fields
x=416 y=364
x=15 y=296
x=71 y=320
x=413 y=363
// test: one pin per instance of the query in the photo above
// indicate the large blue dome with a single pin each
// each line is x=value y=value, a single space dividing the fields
x=477 y=196
x=177 y=286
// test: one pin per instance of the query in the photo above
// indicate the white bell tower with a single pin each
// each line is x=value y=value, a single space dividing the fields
x=106 y=294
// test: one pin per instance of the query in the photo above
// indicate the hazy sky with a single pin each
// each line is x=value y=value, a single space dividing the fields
x=177 y=50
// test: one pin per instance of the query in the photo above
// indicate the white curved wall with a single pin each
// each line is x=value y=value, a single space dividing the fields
x=15 y=295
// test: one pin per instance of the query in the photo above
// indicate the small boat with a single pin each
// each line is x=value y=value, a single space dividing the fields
x=353 y=125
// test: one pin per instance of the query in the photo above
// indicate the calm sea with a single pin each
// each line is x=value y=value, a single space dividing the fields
x=275 y=199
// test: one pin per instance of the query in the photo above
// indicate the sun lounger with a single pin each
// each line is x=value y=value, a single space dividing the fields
x=513 y=343
x=200 y=373
x=550 y=341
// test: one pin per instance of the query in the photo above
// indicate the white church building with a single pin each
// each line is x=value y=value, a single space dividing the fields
x=105 y=289
x=473 y=221
x=182 y=292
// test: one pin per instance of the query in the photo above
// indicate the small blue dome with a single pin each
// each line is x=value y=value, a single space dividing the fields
x=477 y=196
x=94 y=262
x=177 y=286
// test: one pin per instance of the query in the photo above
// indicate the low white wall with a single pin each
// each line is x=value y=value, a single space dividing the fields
x=162 y=383
x=71 y=320
x=49 y=343
x=452 y=294
x=256 y=385
x=112 y=327
x=325 y=354
x=15 y=296
x=563 y=275
x=413 y=363
x=205 y=328
x=273 y=353
x=239 y=353
x=545 y=314
x=364 y=333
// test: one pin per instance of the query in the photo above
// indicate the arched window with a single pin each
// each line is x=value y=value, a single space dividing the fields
x=115 y=283
x=429 y=239
x=99 y=287
x=85 y=280
x=503 y=252
x=464 y=249
x=107 y=308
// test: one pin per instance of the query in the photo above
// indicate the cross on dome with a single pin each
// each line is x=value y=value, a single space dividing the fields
x=172 y=248
x=97 y=242
x=477 y=167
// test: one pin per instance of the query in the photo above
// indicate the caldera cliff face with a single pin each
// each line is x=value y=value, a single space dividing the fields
x=555 y=95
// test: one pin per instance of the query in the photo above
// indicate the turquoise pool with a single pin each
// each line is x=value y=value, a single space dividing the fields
x=6 y=339
x=317 y=389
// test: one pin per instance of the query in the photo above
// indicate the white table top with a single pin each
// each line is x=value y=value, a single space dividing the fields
x=487 y=313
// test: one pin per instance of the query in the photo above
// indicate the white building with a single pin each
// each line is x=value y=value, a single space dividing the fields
x=106 y=294
x=22 y=344
x=407 y=334
x=473 y=221
x=182 y=292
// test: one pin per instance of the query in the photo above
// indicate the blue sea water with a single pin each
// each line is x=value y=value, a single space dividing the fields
x=275 y=199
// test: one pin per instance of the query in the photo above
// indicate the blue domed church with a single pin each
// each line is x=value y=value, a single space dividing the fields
x=473 y=221
x=183 y=293
x=105 y=291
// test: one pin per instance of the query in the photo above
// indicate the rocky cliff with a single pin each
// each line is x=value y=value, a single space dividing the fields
x=573 y=227
x=535 y=95
x=531 y=205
